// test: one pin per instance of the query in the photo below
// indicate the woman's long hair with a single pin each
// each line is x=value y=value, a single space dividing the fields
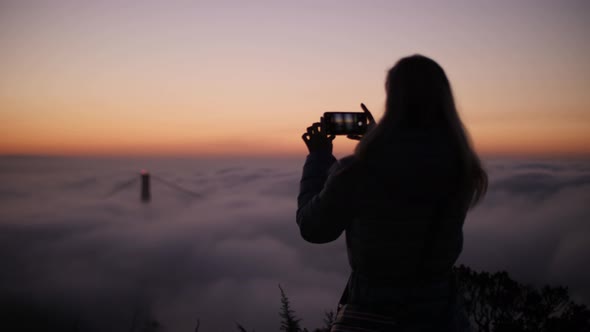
x=419 y=97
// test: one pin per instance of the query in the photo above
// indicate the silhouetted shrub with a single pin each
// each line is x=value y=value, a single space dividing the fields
x=289 y=322
x=496 y=303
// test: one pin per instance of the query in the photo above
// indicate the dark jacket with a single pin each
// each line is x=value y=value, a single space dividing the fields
x=402 y=210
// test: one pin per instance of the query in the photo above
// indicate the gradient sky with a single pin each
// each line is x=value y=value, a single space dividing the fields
x=247 y=77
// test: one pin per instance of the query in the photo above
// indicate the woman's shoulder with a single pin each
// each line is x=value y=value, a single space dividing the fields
x=347 y=161
x=344 y=163
x=346 y=169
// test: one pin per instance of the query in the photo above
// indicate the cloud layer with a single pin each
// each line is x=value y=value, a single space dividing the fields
x=76 y=240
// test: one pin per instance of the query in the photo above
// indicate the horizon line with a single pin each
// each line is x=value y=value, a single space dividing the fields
x=576 y=156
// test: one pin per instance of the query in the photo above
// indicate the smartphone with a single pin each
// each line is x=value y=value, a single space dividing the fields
x=345 y=123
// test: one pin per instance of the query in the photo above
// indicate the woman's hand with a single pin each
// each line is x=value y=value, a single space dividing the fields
x=316 y=139
x=370 y=125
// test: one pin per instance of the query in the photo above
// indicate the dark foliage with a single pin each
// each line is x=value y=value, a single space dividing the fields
x=289 y=322
x=496 y=303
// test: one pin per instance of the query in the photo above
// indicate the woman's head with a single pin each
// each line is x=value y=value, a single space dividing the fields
x=419 y=97
x=418 y=94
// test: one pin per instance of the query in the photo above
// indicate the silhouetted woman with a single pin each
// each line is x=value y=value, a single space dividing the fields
x=402 y=199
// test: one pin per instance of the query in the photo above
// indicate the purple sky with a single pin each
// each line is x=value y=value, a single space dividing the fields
x=217 y=77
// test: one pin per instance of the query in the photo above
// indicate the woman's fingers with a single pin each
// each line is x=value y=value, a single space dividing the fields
x=315 y=136
x=368 y=113
x=317 y=127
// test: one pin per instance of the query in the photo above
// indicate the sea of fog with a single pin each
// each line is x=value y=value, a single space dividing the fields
x=219 y=236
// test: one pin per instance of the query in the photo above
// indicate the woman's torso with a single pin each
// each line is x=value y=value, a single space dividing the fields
x=409 y=213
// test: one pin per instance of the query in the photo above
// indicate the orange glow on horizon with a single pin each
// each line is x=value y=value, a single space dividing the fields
x=488 y=141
